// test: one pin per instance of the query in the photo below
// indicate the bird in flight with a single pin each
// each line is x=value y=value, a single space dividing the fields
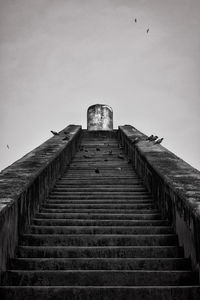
x=135 y=20
x=148 y=30
x=7 y=146
x=54 y=132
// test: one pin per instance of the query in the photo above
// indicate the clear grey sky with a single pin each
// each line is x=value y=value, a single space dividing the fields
x=57 y=57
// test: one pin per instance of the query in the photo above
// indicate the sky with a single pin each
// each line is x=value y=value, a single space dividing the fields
x=58 y=57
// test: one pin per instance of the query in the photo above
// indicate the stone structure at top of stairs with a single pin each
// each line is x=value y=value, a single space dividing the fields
x=98 y=216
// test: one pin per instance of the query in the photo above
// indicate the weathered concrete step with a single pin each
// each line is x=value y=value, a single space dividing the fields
x=100 y=251
x=100 y=201
x=107 y=222
x=98 y=193
x=99 y=206
x=101 y=277
x=101 y=186
x=99 y=181
x=99 y=240
x=100 y=293
x=103 y=216
x=99 y=189
x=100 y=230
x=96 y=211
x=99 y=210
x=101 y=264
x=133 y=196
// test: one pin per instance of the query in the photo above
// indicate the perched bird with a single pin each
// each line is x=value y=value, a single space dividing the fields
x=97 y=149
x=136 y=140
x=148 y=30
x=7 y=146
x=150 y=137
x=86 y=156
x=154 y=138
x=120 y=156
x=66 y=138
x=119 y=169
x=54 y=132
x=159 y=141
x=97 y=171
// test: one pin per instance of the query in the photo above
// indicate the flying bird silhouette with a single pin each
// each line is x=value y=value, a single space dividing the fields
x=148 y=30
x=54 y=132
x=135 y=20
x=7 y=146
x=159 y=141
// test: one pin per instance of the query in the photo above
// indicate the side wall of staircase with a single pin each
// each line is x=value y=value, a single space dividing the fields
x=25 y=184
x=173 y=183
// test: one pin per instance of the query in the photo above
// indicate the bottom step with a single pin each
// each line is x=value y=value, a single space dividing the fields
x=100 y=293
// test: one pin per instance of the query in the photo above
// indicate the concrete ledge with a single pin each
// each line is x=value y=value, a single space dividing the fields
x=26 y=183
x=174 y=184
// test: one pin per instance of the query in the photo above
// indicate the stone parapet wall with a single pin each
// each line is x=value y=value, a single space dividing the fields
x=25 y=184
x=175 y=185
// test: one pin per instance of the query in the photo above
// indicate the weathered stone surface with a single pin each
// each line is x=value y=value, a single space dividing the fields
x=174 y=184
x=100 y=117
x=26 y=183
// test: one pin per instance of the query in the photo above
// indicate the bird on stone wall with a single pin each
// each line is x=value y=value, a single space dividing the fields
x=54 y=132
x=136 y=140
x=159 y=141
x=154 y=138
x=150 y=137
x=110 y=152
x=66 y=138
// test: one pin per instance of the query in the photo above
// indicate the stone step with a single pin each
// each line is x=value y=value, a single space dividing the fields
x=99 y=210
x=101 y=251
x=100 y=181
x=101 y=292
x=100 y=277
x=99 y=239
x=100 y=206
x=99 y=189
x=100 y=230
x=103 y=216
x=100 y=201
x=101 y=264
x=99 y=196
x=100 y=222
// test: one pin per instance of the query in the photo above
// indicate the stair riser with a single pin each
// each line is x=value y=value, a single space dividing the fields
x=99 y=216
x=100 y=293
x=100 y=230
x=101 y=240
x=101 y=278
x=104 y=252
x=100 y=264
x=81 y=222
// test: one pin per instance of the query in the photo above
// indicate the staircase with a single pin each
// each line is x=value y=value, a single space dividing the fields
x=99 y=236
